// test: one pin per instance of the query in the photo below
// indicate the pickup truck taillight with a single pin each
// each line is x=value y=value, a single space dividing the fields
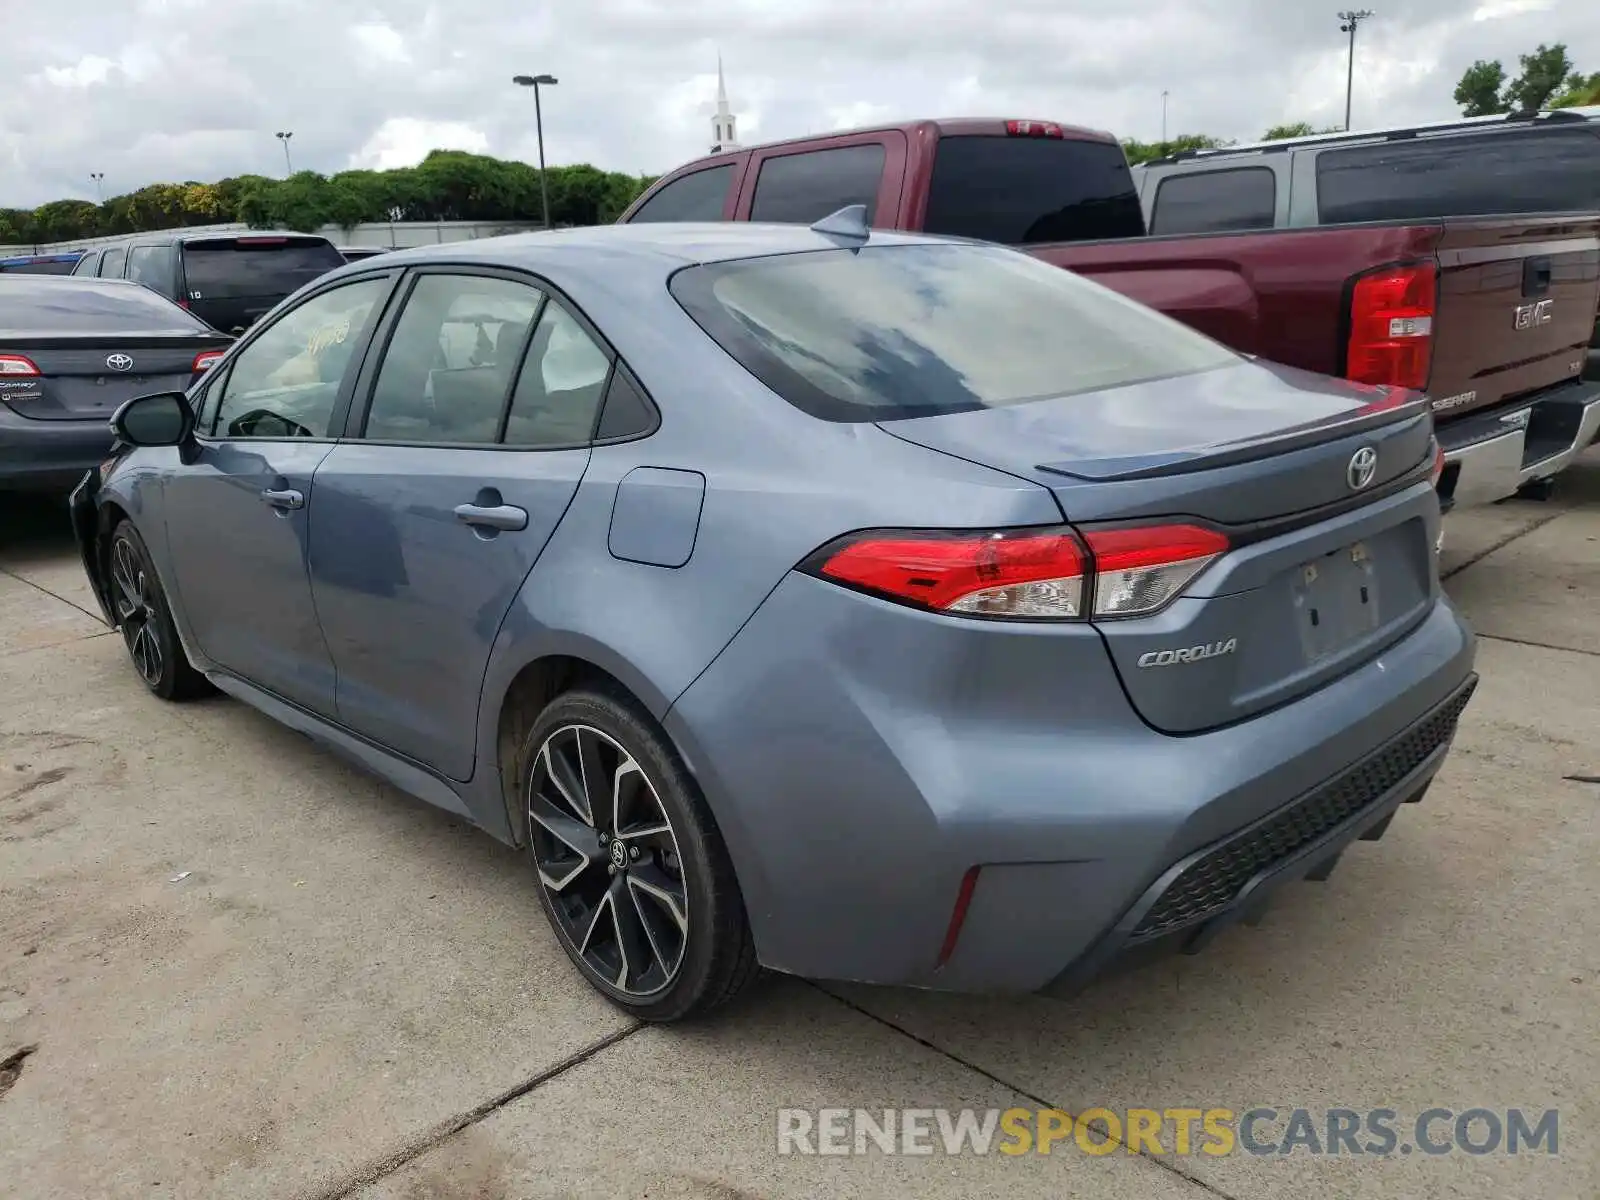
x=1391 y=326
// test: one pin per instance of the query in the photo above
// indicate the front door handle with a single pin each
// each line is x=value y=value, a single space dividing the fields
x=283 y=498
x=492 y=516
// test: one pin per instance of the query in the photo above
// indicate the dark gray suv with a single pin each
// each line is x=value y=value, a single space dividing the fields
x=226 y=279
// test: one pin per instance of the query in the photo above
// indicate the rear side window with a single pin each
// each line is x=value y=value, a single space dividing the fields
x=1020 y=191
x=87 y=263
x=1216 y=201
x=38 y=266
x=71 y=308
x=799 y=189
x=1522 y=171
x=152 y=266
x=697 y=197
x=251 y=268
x=111 y=264
x=889 y=332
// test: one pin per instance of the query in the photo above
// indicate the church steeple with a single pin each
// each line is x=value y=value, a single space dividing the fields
x=723 y=134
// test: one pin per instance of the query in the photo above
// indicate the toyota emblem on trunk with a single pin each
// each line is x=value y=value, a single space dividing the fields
x=119 y=362
x=1363 y=466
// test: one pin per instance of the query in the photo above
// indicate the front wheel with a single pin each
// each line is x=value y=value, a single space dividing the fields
x=145 y=619
x=631 y=868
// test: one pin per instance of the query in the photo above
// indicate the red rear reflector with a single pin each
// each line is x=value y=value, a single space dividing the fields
x=15 y=365
x=1032 y=574
x=1391 y=327
x=1047 y=129
x=183 y=304
x=1438 y=463
x=958 y=916
x=261 y=241
x=205 y=360
x=1138 y=571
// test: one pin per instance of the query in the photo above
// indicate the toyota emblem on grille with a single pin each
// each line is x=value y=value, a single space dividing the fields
x=119 y=362
x=1363 y=466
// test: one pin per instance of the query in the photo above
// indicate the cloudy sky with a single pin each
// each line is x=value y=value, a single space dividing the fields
x=152 y=90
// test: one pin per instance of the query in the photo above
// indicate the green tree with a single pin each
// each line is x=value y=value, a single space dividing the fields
x=448 y=185
x=1139 y=152
x=1543 y=73
x=1580 y=90
x=1478 y=93
x=1296 y=129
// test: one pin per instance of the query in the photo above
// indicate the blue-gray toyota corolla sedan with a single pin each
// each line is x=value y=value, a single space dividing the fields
x=862 y=606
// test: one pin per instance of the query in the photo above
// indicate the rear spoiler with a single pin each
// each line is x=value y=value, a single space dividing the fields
x=1397 y=408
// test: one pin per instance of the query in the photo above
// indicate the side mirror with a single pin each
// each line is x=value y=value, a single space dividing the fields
x=164 y=419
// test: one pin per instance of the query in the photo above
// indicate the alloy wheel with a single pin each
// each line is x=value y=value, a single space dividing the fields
x=136 y=610
x=608 y=859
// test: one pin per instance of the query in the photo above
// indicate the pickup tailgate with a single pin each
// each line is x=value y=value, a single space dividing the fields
x=1516 y=307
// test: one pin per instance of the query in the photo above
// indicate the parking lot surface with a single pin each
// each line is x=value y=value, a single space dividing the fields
x=245 y=969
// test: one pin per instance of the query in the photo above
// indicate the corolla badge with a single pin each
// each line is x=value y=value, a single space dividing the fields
x=119 y=362
x=1189 y=654
x=1363 y=466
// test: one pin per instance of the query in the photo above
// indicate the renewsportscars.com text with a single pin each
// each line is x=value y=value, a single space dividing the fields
x=1169 y=1132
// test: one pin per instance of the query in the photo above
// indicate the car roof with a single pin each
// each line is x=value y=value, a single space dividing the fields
x=943 y=126
x=1508 y=123
x=672 y=244
x=184 y=236
x=69 y=282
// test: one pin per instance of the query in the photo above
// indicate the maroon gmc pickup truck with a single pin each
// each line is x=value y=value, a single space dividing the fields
x=1491 y=316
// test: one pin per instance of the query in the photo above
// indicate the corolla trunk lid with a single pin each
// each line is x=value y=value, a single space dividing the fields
x=1319 y=487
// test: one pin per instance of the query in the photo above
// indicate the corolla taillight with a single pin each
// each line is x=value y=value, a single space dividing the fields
x=1029 y=574
x=205 y=360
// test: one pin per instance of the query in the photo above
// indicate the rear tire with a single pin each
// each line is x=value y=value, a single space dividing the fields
x=145 y=620
x=632 y=870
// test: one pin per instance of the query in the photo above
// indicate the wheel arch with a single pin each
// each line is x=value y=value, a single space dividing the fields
x=524 y=696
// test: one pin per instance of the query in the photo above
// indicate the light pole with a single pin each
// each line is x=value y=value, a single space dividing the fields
x=99 y=190
x=284 y=136
x=1163 y=116
x=1351 y=19
x=534 y=81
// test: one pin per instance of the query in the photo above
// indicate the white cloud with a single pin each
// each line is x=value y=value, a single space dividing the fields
x=88 y=70
x=377 y=82
x=405 y=141
x=1495 y=10
x=380 y=44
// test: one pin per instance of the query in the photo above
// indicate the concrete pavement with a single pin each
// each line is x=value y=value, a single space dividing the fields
x=250 y=971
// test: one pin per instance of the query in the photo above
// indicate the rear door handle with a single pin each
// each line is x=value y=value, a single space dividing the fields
x=496 y=516
x=283 y=498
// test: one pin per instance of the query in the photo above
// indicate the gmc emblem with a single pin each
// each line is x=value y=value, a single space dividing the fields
x=1530 y=315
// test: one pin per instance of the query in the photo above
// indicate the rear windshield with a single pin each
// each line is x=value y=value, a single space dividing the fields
x=1520 y=171
x=47 y=308
x=1019 y=191
x=889 y=332
x=39 y=266
x=231 y=269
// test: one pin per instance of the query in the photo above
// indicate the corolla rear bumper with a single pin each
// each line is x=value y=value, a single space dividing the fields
x=1233 y=879
x=863 y=760
x=1488 y=456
